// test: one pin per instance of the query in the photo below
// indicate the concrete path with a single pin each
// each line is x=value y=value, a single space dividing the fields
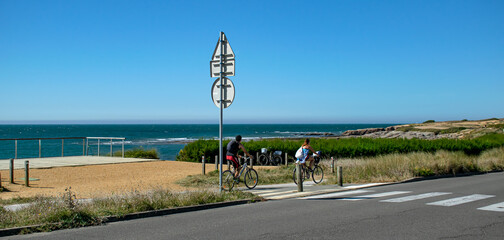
x=67 y=161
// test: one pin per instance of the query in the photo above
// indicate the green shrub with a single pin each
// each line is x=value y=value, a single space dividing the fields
x=429 y=121
x=451 y=130
x=499 y=126
x=348 y=147
x=139 y=153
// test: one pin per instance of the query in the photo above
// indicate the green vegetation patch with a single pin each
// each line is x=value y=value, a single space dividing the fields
x=66 y=212
x=16 y=200
x=139 y=153
x=384 y=168
x=399 y=167
x=349 y=147
x=498 y=126
x=282 y=174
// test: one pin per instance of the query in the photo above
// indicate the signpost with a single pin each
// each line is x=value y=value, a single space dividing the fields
x=223 y=91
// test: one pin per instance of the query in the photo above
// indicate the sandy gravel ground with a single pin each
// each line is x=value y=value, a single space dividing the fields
x=99 y=180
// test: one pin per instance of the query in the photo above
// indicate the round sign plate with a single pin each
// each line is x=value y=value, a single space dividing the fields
x=227 y=95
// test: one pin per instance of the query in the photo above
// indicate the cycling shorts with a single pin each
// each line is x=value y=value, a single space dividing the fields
x=233 y=161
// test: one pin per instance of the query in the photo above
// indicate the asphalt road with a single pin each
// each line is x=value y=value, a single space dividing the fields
x=447 y=208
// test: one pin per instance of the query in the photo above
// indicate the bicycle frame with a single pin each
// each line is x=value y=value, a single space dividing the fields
x=244 y=166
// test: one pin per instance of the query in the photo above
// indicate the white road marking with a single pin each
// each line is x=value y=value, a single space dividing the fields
x=364 y=185
x=276 y=193
x=415 y=197
x=498 y=207
x=376 y=195
x=338 y=194
x=460 y=200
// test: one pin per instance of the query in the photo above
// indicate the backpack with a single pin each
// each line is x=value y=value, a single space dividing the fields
x=299 y=153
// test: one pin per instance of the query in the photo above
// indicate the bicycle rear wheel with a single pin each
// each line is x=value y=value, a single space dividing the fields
x=251 y=178
x=294 y=177
x=317 y=174
x=227 y=180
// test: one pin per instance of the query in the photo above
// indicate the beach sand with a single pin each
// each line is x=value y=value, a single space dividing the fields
x=101 y=180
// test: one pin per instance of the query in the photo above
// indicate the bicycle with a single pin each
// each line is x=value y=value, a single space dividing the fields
x=273 y=159
x=317 y=173
x=250 y=178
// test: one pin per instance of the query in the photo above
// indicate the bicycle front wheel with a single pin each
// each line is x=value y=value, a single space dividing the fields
x=227 y=180
x=317 y=174
x=263 y=159
x=251 y=178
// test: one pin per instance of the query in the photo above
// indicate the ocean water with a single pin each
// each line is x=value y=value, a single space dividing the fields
x=168 y=139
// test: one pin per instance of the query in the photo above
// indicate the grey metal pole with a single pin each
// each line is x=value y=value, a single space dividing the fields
x=299 y=178
x=62 y=147
x=221 y=39
x=27 y=173
x=11 y=170
x=250 y=162
x=286 y=160
x=83 y=147
x=87 y=146
x=111 y=148
x=216 y=162
x=122 y=151
x=15 y=149
x=340 y=176
x=203 y=164
x=98 y=147
x=40 y=148
x=332 y=165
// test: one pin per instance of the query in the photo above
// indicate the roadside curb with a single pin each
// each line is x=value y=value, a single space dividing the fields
x=131 y=216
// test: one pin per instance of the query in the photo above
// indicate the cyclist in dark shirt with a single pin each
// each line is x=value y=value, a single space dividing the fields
x=232 y=153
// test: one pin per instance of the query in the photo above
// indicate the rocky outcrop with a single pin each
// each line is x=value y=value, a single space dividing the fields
x=412 y=134
x=390 y=132
x=361 y=132
x=324 y=134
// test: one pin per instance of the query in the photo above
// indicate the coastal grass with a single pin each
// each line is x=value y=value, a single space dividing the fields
x=281 y=174
x=52 y=213
x=399 y=167
x=349 y=147
x=384 y=168
x=16 y=200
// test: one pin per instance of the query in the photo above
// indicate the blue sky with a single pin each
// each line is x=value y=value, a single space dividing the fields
x=296 y=61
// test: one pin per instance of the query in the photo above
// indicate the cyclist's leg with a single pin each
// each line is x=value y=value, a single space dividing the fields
x=311 y=160
x=236 y=166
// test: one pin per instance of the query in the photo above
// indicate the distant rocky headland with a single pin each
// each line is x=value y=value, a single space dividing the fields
x=433 y=130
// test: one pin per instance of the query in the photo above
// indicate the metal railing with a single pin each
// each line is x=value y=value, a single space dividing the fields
x=85 y=144
x=105 y=138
